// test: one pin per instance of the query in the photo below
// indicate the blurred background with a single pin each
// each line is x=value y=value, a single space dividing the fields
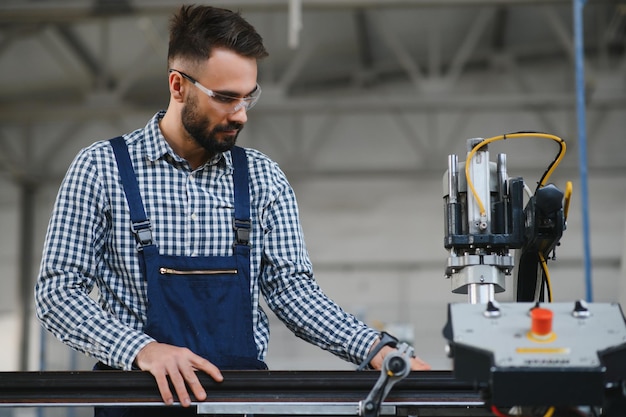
x=362 y=103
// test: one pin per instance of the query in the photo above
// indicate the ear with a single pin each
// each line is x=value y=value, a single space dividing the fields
x=176 y=84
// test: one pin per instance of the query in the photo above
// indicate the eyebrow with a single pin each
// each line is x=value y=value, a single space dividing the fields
x=235 y=94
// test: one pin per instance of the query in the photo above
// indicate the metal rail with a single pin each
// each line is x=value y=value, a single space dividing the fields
x=241 y=392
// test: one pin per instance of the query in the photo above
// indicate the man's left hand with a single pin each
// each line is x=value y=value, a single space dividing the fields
x=416 y=363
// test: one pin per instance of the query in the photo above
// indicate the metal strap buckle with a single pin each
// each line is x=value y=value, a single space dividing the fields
x=143 y=232
x=242 y=232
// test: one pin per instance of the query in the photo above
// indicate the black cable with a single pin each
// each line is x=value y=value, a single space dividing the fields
x=554 y=161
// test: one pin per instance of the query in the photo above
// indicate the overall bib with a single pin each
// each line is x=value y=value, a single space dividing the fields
x=202 y=303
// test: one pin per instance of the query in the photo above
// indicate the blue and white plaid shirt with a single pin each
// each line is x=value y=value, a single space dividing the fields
x=89 y=243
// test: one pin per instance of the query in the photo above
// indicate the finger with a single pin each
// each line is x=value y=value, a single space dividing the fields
x=194 y=384
x=179 y=386
x=419 y=365
x=207 y=367
x=164 y=388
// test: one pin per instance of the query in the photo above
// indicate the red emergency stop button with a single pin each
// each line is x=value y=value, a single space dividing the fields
x=541 y=325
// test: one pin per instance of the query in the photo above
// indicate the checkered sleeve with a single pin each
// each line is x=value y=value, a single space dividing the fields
x=71 y=261
x=291 y=290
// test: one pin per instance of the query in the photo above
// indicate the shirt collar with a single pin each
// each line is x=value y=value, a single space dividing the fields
x=157 y=146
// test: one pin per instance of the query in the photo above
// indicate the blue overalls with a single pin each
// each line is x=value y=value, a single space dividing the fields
x=202 y=303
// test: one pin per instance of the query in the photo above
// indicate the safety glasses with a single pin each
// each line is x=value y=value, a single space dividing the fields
x=227 y=103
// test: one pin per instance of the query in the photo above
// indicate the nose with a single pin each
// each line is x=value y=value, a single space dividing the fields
x=240 y=115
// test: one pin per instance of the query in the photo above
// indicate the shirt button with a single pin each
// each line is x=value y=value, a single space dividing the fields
x=194 y=216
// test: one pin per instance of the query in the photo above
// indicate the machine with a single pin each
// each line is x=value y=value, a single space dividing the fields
x=487 y=216
x=527 y=353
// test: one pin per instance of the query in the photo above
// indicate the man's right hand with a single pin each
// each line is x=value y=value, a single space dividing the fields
x=180 y=365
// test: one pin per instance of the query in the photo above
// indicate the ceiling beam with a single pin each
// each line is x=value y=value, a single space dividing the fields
x=21 y=11
x=15 y=113
x=95 y=66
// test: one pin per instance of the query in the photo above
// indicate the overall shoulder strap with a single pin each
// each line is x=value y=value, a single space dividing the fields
x=242 y=196
x=140 y=224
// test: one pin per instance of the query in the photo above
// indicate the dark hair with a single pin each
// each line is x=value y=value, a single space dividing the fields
x=196 y=30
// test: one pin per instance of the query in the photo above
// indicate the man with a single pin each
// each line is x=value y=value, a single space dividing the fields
x=211 y=227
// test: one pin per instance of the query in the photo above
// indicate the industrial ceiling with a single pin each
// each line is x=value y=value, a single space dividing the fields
x=69 y=63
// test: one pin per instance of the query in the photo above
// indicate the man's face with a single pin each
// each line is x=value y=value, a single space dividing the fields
x=214 y=137
x=211 y=119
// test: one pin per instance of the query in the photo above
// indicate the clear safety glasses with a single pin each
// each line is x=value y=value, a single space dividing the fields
x=228 y=103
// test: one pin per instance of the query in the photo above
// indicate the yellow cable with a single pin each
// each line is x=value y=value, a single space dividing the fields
x=544 y=266
x=568 y=195
x=549 y=413
x=470 y=155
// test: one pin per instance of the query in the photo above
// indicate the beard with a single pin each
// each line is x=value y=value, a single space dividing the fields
x=198 y=125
